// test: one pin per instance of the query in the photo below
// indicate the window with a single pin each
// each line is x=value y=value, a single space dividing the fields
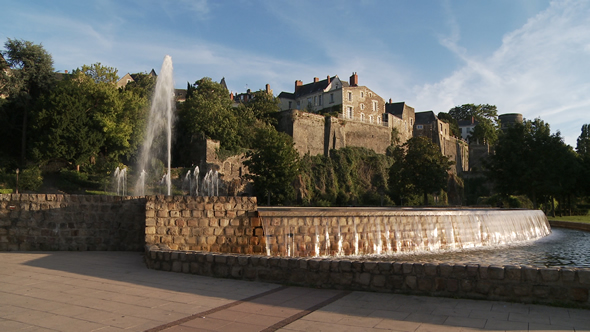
x=375 y=105
x=379 y=120
x=419 y=127
x=370 y=118
x=290 y=104
x=362 y=94
x=363 y=117
x=298 y=104
x=309 y=102
x=411 y=122
x=350 y=96
x=362 y=106
x=315 y=100
x=320 y=100
x=349 y=111
x=331 y=98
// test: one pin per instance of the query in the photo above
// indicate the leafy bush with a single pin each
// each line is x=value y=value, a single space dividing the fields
x=516 y=202
x=30 y=179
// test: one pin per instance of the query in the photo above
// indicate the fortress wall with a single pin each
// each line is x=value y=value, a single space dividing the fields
x=457 y=151
x=307 y=130
x=366 y=135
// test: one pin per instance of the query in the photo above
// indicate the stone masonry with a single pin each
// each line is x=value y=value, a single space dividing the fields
x=71 y=222
x=217 y=224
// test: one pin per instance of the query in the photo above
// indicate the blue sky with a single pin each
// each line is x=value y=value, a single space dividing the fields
x=529 y=57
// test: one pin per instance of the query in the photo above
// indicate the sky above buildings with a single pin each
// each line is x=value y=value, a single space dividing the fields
x=530 y=57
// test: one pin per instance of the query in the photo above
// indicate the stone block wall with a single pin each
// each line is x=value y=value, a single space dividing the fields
x=557 y=286
x=71 y=222
x=216 y=224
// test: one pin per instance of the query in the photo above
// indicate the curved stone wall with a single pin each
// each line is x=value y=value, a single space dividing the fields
x=556 y=286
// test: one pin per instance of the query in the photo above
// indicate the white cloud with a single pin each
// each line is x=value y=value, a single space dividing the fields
x=540 y=70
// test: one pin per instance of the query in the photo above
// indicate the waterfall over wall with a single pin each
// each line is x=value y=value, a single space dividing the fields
x=361 y=231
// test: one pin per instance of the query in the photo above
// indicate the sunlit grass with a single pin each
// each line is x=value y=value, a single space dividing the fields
x=584 y=219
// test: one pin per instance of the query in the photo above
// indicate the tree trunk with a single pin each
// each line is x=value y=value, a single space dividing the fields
x=23 y=152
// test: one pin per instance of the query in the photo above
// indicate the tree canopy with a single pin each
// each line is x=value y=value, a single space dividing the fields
x=419 y=169
x=529 y=160
x=86 y=116
x=487 y=127
x=273 y=164
x=30 y=74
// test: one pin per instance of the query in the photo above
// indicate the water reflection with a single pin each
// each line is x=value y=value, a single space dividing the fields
x=562 y=248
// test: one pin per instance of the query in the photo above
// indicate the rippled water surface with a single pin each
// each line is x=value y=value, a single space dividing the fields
x=562 y=248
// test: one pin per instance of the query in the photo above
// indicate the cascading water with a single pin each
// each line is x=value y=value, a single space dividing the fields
x=388 y=231
x=159 y=127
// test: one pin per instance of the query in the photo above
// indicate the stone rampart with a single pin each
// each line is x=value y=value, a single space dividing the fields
x=71 y=222
x=563 y=286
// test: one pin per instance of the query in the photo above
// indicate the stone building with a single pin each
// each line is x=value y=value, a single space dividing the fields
x=429 y=125
x=347 y=100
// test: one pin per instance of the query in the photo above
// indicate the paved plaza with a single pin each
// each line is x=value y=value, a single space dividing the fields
x=114 y=291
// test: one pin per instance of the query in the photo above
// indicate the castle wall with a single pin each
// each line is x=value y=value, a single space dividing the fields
x=316 y=134
x=365 y=135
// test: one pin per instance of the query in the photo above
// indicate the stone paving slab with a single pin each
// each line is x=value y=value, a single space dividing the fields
x=114 y=291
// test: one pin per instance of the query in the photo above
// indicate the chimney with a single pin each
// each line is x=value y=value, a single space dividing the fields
x=354 y=79
x=390 y=101
x=315 y=79
x=268 y=90
x=328 y=79
x=231 y=96
x=66 y=71
x=298 y=85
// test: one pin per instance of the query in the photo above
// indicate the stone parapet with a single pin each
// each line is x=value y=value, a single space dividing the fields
x=216 y=224
x=71 y=222
x=556 y=286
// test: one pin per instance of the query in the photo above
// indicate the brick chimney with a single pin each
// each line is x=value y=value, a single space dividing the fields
x=354 y=79
x=268 y=89
x=315 y=79
x=66 y=71
x=328 y=79
x=390 y=101
x=298 y=85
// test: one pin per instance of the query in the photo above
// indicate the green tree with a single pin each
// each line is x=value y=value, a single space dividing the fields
x=583 y=149
x=531 y=161
x=86 y=117
x=143 y=85
x=273 y=165
x=264 y=106
x=100 y=74
x=419 y=169
x=453 y=125
x=209 y=112
x=30 y=75
x=487 y=128
x=583 y=142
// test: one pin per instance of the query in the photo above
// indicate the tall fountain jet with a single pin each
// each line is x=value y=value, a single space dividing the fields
x=159 y=128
